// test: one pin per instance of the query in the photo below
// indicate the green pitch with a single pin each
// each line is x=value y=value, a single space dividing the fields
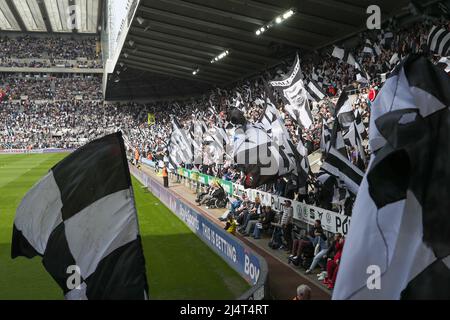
x=179 y=265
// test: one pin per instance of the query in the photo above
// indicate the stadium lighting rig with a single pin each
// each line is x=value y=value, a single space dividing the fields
x=220 y=56
x=195 y=71
x=278 y=20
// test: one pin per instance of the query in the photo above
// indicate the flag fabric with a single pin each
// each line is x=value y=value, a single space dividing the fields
x=353 y=139
x=333 y=187
x=368 y=48
x=344 y=111
x=394 y=60
x=294 y=94
x=401 y=210
x=439 y=41
x=151 y=119
x=326 y=137
x=339 y=166
x=343 y=55
x=360 y=127
x=274 y=126
x=386 y=38
x=337 y=140
x=297 y=156
x=444 y=63
x=361 y=74
x=315 y=91
x=82 y=215
x=181 y=147
x=250 y=153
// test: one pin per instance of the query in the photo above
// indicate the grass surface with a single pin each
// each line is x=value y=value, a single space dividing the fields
x=179 y=265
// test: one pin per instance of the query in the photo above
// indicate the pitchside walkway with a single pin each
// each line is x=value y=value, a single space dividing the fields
x=283 y=278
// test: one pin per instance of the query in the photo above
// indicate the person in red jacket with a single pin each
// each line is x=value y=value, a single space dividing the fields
x=372 y=93
x=333 y=264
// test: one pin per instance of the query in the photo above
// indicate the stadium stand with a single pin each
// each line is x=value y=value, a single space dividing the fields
x=67 y=112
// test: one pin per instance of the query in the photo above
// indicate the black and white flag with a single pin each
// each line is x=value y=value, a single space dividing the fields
x=361 y=128
x=294 y=94
x=343 y=55
x=81 y=219
x=353 y=139
x=444 y=63
x=402 y=207
x=394 y=60
x=325 y=140
x=439 y=41
x=315 y=91
x=340 y=167
x=344 y=111
x=371 y=49
x=386 y=38
x=181 y=147
x=361 y=74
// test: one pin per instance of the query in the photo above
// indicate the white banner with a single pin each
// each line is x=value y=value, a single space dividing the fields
x=331 y=221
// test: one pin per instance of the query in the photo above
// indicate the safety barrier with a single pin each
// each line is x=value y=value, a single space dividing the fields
x=251 y=266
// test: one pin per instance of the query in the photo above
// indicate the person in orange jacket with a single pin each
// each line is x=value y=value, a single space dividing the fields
x=165 y=175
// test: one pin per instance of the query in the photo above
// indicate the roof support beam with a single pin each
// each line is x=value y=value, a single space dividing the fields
x=180 y=68
x=307 y=17
x=45 y=17
x=163 y=58
x=100 y=16
x=238 y=17
x=208 y=24
x=170 y=73
x=233 y=62
x=206 y=38
x=151 y=35
x=16 y=15
x=148 y=52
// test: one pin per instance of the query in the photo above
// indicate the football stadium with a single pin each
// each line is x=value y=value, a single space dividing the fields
x=224 y=150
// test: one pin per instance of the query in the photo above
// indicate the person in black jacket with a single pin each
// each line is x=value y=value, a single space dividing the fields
x=266 y=219
x=299 y=245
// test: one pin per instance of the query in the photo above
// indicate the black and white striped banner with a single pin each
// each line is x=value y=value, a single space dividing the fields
x=439 y=41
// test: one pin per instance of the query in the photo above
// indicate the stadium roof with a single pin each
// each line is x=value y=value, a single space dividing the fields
x=177 y=38
x=50 y=15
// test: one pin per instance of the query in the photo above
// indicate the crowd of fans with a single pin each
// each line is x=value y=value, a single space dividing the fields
x=66 y=122
x=50 y=63
x=50 y=88
x=49 y=47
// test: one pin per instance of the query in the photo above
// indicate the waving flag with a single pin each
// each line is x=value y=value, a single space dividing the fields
x=294 y=94
x=81 y=219
x=401 y=222
x=439 y=41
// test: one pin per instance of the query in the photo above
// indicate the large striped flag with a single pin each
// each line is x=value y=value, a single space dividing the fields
x=339 y=166
x=81 y=219
x=398 y=245
x=315 y=91
x=344 y=111
x=439 y=41
x=181 y=147
x=294 y=94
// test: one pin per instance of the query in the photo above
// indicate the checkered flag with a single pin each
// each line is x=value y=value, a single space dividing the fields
x=81 y=219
